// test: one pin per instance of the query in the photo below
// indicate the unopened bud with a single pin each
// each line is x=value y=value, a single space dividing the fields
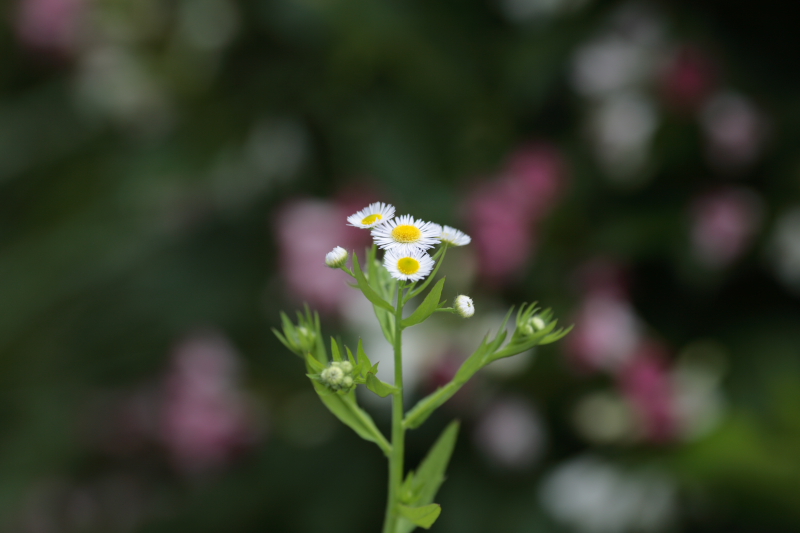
x=533 y=325
x=463 y=306
x=333 y=376
x=338 y=375
x=336 y=258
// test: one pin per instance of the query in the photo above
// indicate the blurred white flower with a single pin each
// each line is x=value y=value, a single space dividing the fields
x=595 y=496
x=785 y=248
x=621 y=128
x=510 y=434
x=605 y=418
x=454 y=237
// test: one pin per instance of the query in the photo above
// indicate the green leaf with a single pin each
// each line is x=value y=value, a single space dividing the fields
x=313 y=364
x=427 y=307
x=351 y=358
x=429 y=476
x=345 y=408
x=424 y=516
x=386 y=320
x=362 y=355
x=335 y=352
x=426 y=406
x=381 y=388
x=368 y=291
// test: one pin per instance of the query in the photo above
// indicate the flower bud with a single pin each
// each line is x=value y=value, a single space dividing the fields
x=336 y=258
x=463 y=306
x=332 y=376
x=338 y=376
x=533 y=325
x=305 y=338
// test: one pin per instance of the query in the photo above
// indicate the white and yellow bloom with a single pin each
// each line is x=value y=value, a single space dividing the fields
x=454 y=237
x=371 y=216
x=464 y=306
x=406 y=233
x=408 y=265
x=336 y=258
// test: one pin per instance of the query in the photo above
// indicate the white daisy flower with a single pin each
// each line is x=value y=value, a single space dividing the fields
x=371 y=216
x=454 y=237
x=408 y=265
x=406 y=233
x=464 y=307
x=336 y=258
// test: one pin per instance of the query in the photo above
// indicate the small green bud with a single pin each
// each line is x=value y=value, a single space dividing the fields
x=306 y=338
x=332 y=376
x=338 y=376
x=533 y=325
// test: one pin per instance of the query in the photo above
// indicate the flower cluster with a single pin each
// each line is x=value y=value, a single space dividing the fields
x=406 y=242
x=338 y=376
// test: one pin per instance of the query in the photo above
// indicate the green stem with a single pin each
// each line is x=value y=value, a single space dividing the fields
x=398 y=431
x=441 y=251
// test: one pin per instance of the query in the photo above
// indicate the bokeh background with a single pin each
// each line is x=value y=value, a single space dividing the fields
x=172 y=173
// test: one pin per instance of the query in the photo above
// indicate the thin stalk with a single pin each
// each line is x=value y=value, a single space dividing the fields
x=398 y=431
x=414 y=292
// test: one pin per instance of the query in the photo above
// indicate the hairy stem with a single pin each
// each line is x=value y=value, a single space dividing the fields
x=398 y=431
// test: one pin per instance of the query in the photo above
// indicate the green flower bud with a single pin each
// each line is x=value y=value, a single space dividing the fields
x=338 y=376
x=533 y=325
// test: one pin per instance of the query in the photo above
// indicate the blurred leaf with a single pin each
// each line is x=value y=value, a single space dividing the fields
x=379 y=387
x=423 y=517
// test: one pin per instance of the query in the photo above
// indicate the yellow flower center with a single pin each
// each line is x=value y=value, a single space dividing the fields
x=406 y=233
x=371 y=219
x=408 y=266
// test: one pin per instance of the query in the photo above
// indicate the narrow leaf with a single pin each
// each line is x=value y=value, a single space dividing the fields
x=381 y=388
x=430 y=474
x=344 y=407
x=427 y=307
x=362 y=355
x=368 y=291
x=426 y=406
x=313 y=364
x=337 y=355
x=424 y=516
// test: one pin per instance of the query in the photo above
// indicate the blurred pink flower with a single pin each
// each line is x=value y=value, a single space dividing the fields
x=647 y=384
x=606 y=332
x=735 y=130
x=205 y=419
x=724 y=224
x=602 y=276
x=51 y=25
x=688 y=79
x=504 y=213
x=306 y=231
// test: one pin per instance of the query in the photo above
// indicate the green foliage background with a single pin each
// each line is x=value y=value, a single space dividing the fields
x=133 y=212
